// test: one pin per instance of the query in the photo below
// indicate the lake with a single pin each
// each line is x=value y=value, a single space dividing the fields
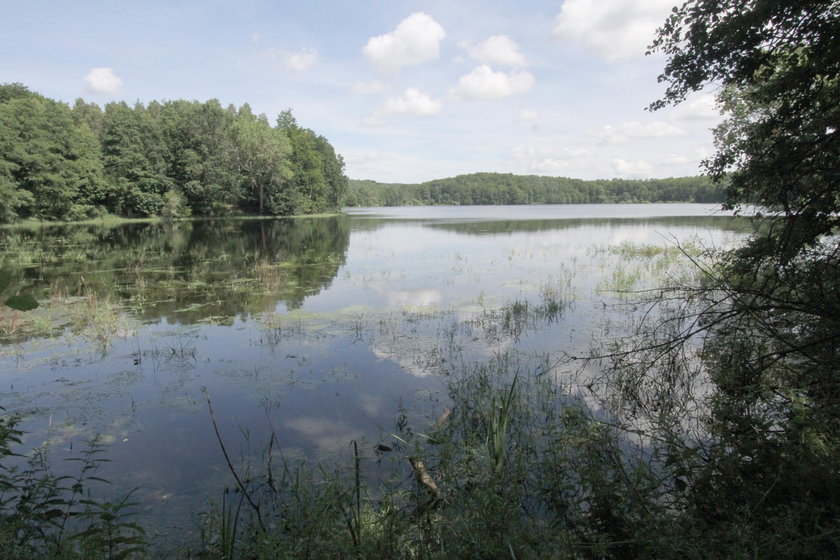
x=320 y=330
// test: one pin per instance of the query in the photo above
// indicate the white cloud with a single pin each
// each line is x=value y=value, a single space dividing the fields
x=548 y=160
x=411 y=103
x=528 y=115
x=102 y=80
x=361 y=157
x=498 y=49
x=296 y=61
x=300 y=60
x=632 y=168
x=414 y=41
x=697 y=155
x=367 y=88
x=676 y=159
x=612 y=29
x=485 y=83
x=699 y=108
x=609 y=134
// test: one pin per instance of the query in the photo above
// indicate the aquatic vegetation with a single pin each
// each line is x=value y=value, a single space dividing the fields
x=337 y=333
x=515 y=463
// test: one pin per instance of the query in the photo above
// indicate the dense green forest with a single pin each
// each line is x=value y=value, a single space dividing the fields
x=171 y=158
x=506 y=188
x=188 y=158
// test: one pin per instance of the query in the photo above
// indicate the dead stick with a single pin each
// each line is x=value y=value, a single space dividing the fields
x=232 y=470
x=421 y=473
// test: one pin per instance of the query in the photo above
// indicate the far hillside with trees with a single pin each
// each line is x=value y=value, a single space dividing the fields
x=506 y=188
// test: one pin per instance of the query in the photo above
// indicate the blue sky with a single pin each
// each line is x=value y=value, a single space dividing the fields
x=405 y=91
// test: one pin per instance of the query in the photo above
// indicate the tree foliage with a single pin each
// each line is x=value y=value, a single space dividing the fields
x=49 y=168
x=134 y=155
x=317 y=171
x=506 y=188
x=164 y=159
x=737 y=382
x=777 y=65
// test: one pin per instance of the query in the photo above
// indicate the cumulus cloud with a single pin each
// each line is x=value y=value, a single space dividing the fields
x=411 y=103
x=300 y=60
x=102 y=80
x=548 y=160
x=414 y=41
x=498 y=49
x=632 y=168
x=618 y=134
x=367 y=88
x=701 y=108
x=611 y=29
x=485 y=83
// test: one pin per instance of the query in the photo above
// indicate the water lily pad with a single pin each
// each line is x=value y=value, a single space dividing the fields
x=22 y=302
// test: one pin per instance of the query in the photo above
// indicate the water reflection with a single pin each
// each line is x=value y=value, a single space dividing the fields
x=318 y=330
x=186 y=272
x=496 y=227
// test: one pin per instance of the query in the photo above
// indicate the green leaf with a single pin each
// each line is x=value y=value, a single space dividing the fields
x=128 y=551
x=99 y=479
x=22 y=303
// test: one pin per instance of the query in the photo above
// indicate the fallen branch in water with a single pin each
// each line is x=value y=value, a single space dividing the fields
x=421 y=473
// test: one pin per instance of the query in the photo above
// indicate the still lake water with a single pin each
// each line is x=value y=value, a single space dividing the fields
x=318 y=329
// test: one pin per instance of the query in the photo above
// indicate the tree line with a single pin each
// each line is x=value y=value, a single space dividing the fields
x=506 y=188
x=171 y=158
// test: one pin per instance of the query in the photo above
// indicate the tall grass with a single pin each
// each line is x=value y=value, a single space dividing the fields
x=517 y=468
x=44 y=515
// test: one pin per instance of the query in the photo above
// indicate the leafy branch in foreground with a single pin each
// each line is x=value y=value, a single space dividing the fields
x=738 y=377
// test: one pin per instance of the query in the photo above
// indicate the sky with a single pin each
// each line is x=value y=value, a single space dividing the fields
x=406 y=91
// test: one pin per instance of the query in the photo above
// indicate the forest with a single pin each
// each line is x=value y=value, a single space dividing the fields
x=169 y=159
x=176 y=159
x=506 y=188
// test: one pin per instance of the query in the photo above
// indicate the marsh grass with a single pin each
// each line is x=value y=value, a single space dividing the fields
x=516 y=467
x=517 y=317
x=95 y=317
x=628 y=270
